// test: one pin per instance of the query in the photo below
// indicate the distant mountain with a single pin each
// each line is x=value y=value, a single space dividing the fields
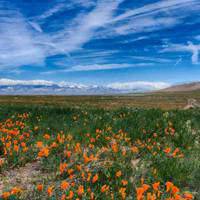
x=194 y=86
x=43 y=87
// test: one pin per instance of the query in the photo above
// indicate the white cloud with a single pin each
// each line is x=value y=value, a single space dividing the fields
x=152 y=59
x=62 y=6
x=190 y=47
x=150 y=17
x=59 y=7
x=36 y=26
x=96 y=67
x=17 y=45
x=99 y=67
x=82 y=31
x=25 y=82
x=139 y=85
x=146 y=24
x=135 y=39
x=160 y=6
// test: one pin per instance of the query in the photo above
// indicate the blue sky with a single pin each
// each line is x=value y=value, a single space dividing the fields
x=100 y=41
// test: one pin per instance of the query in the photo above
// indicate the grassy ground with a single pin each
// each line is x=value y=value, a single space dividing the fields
x=67 y=152
x=154 y=100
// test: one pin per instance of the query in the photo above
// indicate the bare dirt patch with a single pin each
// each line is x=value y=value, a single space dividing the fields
x=23 y=177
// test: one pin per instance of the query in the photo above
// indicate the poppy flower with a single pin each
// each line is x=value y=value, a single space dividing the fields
x=80 y=190
x=50 y=191
x=40 y=187
x=118 y=174
x=64 y=185
x=156 y=186
x=95 y=178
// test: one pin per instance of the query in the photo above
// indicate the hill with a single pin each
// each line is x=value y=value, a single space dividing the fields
x=187 y=87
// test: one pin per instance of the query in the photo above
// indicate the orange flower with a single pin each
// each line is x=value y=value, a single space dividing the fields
x=6 y=195
x=124 y=182
x=86 y=158
x=78 y=167
x=44 y=152
x=78 y=148
x=63 y=197
x=70 y=171
x=168 y=186
x=156 y=186
x=175 y=189
x=118 y=174
x=63 y=166
x=50 y=191
x=134 y=149
x=188 y=196
x=23 y=144
x=95 y=178
x=114 y=147
x=68 y=154
x=16 y=148
x=25 y=149
x=145 y=187
x=122 y=191
x=140 y=192
x=16 y=190
x=80 y=190
x=167 y=150
x=39 y=144
x=71 y=195
x=178 y=197
x=54 y=145
x=46 y=136
x=104 y=188
x=40 y=187
x=8 y=144
x=64 y=185
x=176 y=151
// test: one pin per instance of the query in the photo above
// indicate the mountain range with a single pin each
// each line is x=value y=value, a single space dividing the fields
x=42 y=87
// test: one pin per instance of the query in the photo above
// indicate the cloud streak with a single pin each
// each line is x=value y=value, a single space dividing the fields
x=190 y=47
x=98 y=67
x=17 y=47
x=84 y=29
x=151 y=17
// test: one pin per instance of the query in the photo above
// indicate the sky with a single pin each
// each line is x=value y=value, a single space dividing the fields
x=100 y=42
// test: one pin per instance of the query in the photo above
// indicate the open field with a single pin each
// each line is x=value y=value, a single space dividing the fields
x=165 y=100
x=62 y=148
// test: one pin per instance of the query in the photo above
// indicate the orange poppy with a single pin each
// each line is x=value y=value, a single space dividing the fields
x=64 y=185
x=95 y=178
x=40 y=187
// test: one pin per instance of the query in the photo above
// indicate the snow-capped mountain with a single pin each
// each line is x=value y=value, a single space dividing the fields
x=43 y=87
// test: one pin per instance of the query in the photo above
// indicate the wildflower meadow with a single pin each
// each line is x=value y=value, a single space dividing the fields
x=52 y=152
